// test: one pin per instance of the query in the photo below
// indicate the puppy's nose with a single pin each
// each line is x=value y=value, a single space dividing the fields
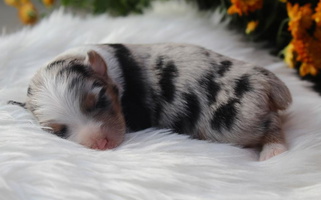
x=101 y=144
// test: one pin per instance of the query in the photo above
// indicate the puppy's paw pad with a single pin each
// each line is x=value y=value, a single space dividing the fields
x=271 y=149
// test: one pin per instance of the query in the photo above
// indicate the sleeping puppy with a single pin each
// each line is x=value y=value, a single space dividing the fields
x=94 y=94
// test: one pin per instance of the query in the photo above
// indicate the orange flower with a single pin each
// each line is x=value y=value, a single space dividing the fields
x=48 y=3
x=244 y=6
x=15 y=3
x=289 y=55
x=300 y=18
x=317 y=15
x=251 y=26
x=304 y=47
x=28 y=13
x=306 y=69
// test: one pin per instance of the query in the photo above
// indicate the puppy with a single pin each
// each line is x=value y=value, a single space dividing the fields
x=94 y=94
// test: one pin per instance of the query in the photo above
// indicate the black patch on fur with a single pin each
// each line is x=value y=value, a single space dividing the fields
x=242 y=86
x=166 y=81
x=210 y=86
x=158 y=109
x=225 y=66
x=82 y=70
x=159 y=100
x=179 y=125
x=187 y=121
x=157 y=113
x=74 y=82
x=136 y=111
x=225 y=115
x=159 y=63
x=29 y=91
x=85 y=71
x=55 y=64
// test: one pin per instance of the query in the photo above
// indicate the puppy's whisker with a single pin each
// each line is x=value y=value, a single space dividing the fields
x=17 y=103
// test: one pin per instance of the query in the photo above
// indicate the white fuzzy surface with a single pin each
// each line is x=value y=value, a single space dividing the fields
x=151 y=164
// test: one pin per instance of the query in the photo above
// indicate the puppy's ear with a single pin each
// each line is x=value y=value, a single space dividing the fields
x=97 y=63
x=17 y=103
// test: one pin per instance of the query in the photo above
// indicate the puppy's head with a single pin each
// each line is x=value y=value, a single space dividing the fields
x=74 y=98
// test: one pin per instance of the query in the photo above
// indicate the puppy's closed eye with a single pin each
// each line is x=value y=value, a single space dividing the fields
x=60 y=130
x=93 y=102
x=102 y=101
x=97 y=83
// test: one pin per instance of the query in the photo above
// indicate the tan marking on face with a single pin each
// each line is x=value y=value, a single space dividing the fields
x=89 y=102
x=114 y=98
x=114 y=119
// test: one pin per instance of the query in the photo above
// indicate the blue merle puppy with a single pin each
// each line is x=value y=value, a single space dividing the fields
x=94 y=94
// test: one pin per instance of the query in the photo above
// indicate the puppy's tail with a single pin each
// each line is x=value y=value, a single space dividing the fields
x=280 y=99
x=280 y=95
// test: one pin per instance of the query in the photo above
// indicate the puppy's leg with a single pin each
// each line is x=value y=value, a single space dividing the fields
x=273 y=141
x=272 y=149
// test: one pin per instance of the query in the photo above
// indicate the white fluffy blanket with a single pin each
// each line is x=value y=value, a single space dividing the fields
x=151 y=164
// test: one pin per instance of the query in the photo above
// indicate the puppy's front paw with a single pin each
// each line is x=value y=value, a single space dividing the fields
x=271 y=149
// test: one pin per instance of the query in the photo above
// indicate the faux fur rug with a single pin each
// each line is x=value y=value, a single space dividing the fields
x=151 y=164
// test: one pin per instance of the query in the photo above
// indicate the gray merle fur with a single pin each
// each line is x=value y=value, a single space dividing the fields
x=182 y=87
